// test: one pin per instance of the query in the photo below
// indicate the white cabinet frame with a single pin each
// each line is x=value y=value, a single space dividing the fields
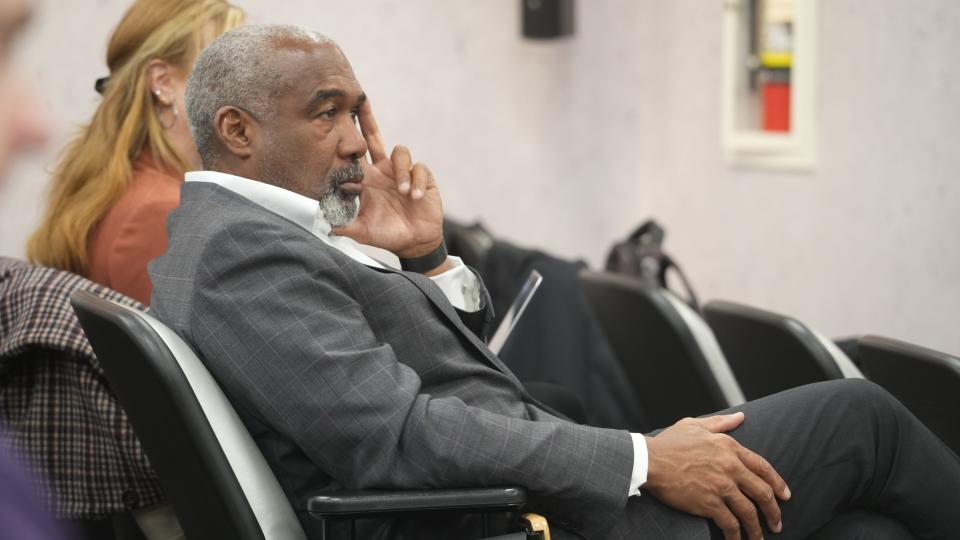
x=793 y=150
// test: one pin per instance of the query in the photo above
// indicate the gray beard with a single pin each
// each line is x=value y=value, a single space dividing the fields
x=339 y=210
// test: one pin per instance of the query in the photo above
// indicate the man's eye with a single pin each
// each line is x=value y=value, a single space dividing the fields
x=355 y=116
x=328 y=114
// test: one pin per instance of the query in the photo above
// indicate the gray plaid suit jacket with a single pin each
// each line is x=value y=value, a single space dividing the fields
x=351 y=377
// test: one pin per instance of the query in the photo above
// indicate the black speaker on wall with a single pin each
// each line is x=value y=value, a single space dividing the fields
x=547 y=18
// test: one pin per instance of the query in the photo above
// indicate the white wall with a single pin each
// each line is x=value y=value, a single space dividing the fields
x=566 y=145
x=867 y=242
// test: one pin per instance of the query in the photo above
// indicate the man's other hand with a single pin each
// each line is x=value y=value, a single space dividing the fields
x=400 y=206
x=695 y=468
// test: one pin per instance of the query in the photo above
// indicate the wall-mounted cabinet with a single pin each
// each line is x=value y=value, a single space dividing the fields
x=769 y=70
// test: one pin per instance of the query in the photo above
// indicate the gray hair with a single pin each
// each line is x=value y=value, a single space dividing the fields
x=237 y=70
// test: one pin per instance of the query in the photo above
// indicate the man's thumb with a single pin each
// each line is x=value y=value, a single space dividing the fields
x=722 y=423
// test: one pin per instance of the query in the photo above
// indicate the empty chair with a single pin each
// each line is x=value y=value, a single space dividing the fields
x=669 y=354
x=926 y=381
x=770 y=353
x=218 y=481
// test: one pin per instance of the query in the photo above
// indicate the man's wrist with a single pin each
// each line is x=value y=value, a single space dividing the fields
x=444 y=267
x=653 y=469
x=426 y=263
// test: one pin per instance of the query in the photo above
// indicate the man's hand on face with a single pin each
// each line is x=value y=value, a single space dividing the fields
x=400 y=206
x=695 y=468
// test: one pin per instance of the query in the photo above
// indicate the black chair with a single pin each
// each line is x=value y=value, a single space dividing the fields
x=211 y=469
x=667 y=351
x=770 y=353
x=926 y=381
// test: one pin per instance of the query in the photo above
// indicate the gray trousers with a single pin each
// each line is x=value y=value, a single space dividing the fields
x=858 y=463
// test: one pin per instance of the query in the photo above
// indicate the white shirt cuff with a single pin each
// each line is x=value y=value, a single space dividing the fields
x=460 y=286
x=640 y=464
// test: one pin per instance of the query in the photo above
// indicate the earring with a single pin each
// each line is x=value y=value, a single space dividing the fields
x=162 y=105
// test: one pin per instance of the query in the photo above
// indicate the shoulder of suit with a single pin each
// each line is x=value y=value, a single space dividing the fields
x=223 y=212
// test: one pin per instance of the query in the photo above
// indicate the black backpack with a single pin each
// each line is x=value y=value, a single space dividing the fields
x=641 y=256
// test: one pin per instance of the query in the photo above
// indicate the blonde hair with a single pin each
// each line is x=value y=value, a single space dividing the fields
x=96 y=165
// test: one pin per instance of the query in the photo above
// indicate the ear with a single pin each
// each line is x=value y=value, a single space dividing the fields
x=160 y=77
x=237 y=131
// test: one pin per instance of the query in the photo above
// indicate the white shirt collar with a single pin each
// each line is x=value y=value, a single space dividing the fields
x=299 y=209
x=293 y=206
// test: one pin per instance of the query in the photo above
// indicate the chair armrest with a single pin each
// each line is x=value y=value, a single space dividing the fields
x=371 y=503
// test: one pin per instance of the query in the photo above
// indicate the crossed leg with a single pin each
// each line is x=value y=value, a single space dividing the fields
x=862 y=525
x=841 y=446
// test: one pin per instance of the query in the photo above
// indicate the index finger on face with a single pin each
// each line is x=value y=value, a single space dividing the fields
x=371 y=133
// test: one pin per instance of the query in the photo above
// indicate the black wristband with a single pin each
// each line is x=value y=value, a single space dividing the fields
x=426 y=262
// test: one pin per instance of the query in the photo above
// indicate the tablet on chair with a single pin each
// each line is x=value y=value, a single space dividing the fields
x=513 y=314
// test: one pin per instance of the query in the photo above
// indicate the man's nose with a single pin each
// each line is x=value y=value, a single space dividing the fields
x=352 y=143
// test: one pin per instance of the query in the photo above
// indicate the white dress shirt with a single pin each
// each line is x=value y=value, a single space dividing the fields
x=458 y=284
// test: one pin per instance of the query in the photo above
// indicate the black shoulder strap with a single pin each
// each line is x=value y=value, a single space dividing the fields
x=669 y=263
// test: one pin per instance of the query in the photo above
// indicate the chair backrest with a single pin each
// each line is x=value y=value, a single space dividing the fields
x=667 y=351
x=926 y=381
x=211 y=469
x=770 y=352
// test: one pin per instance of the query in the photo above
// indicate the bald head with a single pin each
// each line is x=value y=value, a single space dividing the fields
x=240 y=69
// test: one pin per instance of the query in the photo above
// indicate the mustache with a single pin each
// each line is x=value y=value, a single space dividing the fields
x=353 y=171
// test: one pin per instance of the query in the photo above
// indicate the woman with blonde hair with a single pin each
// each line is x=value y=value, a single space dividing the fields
x=120 y=176
x=111 y=192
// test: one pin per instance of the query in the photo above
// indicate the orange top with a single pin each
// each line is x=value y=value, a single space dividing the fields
x=134 y=231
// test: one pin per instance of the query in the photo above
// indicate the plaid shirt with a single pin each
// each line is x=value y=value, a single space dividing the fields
x=58 y=412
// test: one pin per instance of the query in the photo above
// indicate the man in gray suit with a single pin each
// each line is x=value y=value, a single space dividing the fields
x=350 y=374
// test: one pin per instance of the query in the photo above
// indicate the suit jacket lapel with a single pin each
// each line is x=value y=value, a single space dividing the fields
x=443 y=305
x=440 y=301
